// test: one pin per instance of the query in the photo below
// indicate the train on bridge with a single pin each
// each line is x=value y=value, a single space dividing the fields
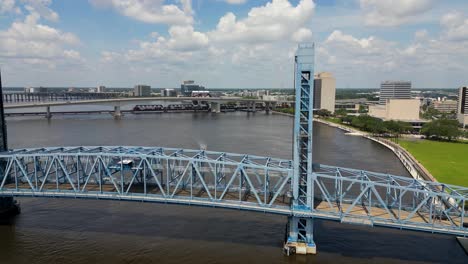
x=56 y=96
x=158 y=108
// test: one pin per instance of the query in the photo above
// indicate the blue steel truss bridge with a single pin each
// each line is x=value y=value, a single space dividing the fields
x=237 y=181
x=298 y=188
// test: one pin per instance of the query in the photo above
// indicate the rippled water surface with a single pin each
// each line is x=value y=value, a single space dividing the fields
x=92 y=231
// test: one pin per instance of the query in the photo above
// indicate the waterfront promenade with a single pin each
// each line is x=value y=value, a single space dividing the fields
x=413 y=166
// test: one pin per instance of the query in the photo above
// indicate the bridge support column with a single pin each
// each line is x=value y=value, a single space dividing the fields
x=300 y=238
x=267 y=107
x=301 y=229
x=215 y=107
x=253 y=107
x=48 y=113
x=117 y=112
x=9 y=207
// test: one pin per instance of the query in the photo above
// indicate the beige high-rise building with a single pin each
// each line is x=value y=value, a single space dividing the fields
x=324 y=91
x=397 y=109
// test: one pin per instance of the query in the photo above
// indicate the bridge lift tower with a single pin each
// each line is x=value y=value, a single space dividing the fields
x=300 y=238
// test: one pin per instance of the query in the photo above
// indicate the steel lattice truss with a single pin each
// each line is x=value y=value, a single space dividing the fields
x=217 y=179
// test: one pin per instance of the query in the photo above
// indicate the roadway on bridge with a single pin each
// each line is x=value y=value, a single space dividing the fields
x=229 y=180
x=136 y=100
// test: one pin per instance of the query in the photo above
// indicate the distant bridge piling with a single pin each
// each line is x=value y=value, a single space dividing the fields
x=48 y=113
x=215 y=107
x=267 y=107
x=117 y=113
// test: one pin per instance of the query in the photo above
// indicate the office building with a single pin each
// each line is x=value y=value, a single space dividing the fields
x=447 y=106
x=142 y=90
x=100 y=89
x=394 y=90
x=397 y=109
x=324 y=91
x=168 y=93
x=462 y=109
x=187 y=87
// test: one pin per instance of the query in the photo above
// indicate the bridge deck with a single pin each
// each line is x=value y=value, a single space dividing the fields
x=247 y=182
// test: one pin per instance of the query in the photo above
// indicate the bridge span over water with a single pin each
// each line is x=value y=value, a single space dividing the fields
x=297 y=188
x=117 y=103
x=236 y=181
x=136 y=100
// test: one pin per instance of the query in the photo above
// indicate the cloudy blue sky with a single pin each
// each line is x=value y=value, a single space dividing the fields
x=231 y=43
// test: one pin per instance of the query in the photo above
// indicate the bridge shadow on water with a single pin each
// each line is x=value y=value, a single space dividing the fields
x=201 y=225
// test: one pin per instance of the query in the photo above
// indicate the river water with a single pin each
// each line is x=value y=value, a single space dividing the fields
x=87 y=231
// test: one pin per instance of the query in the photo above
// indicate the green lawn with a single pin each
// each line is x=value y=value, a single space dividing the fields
x=333 y=120
x=447 y=162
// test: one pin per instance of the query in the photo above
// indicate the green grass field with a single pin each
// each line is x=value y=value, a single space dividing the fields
x=447 y=162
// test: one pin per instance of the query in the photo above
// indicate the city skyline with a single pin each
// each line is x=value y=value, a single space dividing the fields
x=231 y=44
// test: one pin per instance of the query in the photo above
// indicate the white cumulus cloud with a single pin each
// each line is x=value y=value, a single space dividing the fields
x=455 y=25
x=42 y=8
x=151 y=11
x=371 y=59
x=262 y=40
x=302 y=35
x=8 y=6
x=393 y=12
x=36 y=42
x=276 y=20
x=235 y=2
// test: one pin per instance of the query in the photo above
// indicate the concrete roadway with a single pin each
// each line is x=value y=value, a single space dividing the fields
x=137 y=100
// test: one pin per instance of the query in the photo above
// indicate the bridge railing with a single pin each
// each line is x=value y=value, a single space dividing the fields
x=384 y=199
x=217 y=179
x=170 y=174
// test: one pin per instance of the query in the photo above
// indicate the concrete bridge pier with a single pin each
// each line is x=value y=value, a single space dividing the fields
x=300 y=238
x=8 y=207
x=254 y=104
x=267 y=107
x=48 y=113
x=117 y=113
x=215 y=107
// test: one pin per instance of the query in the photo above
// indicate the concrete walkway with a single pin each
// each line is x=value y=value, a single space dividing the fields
x=412 y=165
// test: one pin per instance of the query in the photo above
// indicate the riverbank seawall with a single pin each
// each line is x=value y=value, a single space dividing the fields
x=416 y=169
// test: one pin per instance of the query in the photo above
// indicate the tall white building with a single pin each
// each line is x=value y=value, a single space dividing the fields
x=462 y=109
x=324 y=91
x=394 y=90
x=100 y=89
x=142 y=90
x=168 y=93
x=187 y=87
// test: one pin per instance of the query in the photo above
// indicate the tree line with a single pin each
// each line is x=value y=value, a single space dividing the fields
x=439 y=129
